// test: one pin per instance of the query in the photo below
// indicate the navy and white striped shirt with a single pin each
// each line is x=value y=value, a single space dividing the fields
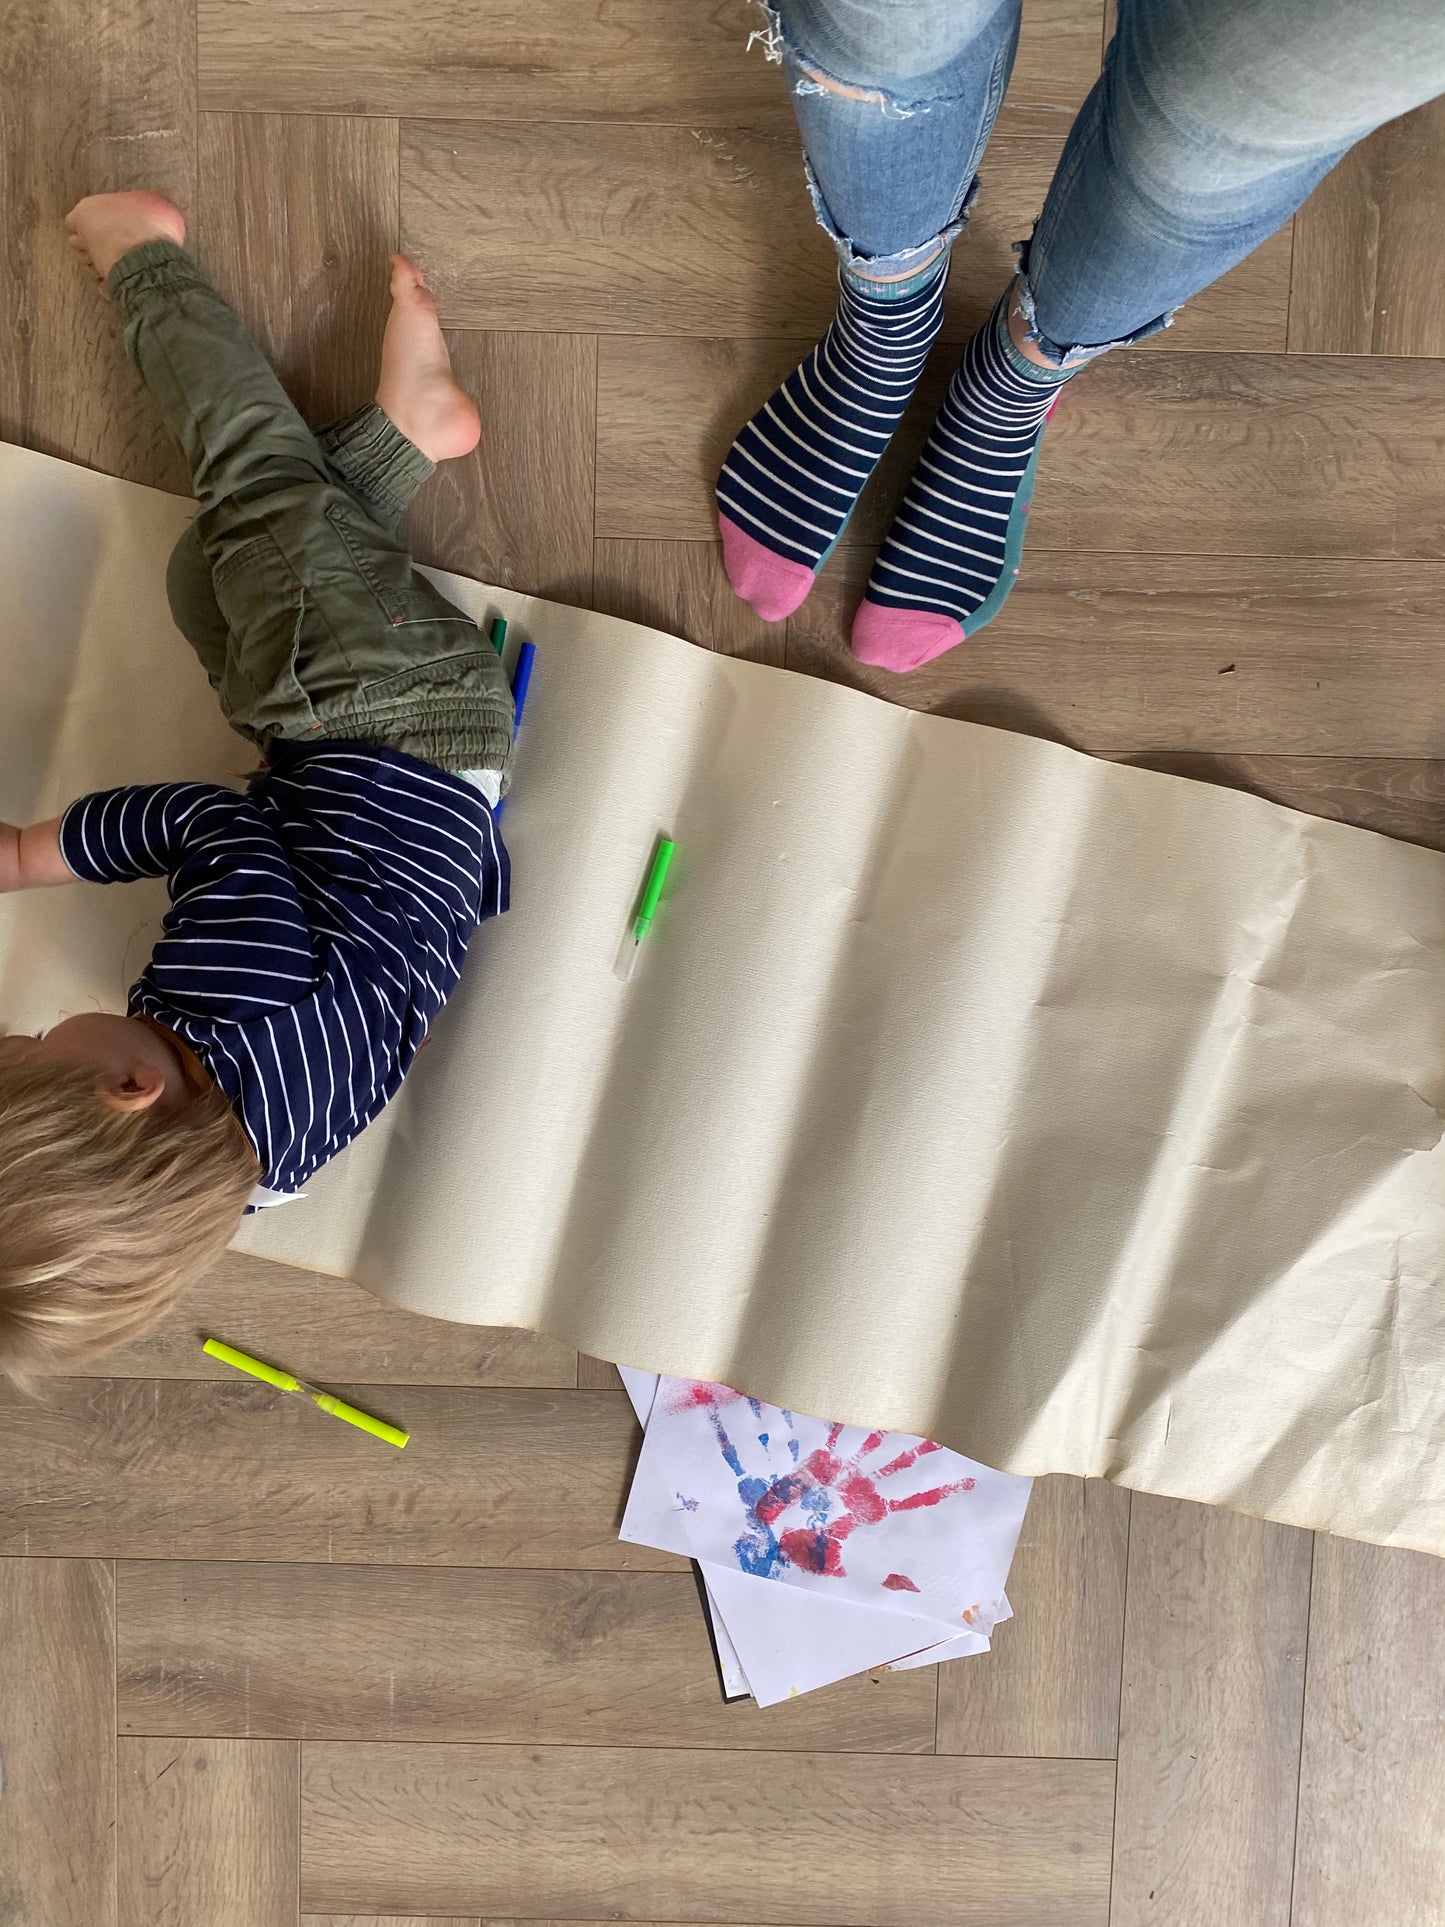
x=318 y=923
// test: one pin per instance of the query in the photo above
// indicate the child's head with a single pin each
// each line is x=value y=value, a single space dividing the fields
x=121 y=1179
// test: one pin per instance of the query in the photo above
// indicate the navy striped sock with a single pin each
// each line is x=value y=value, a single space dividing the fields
x=791 y=478
x=953 y=552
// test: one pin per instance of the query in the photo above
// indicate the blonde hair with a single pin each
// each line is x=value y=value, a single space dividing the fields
x=105 y=1216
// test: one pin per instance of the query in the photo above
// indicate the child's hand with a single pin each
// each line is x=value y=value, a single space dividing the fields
x=30 y=858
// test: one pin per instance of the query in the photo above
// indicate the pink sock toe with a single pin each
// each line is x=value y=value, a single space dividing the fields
x=902 y=639
x=772 y=584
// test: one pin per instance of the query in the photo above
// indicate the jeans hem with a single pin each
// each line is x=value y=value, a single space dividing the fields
x=898 y=266
x=1073 y=354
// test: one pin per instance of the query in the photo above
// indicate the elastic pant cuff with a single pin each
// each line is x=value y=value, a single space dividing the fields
x=153 y=264
x=375 y=458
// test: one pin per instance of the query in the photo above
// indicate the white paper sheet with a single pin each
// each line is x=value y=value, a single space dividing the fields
x=789 y=1641
x=894 y=1522
x=641 y=1389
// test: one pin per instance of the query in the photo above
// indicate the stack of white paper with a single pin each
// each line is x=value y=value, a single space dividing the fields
x=825 y=1549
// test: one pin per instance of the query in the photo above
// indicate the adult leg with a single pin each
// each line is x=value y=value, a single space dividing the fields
x=895 y=100
x=1212 y=121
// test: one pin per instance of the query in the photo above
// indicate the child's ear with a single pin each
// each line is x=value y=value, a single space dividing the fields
x=133 y=1090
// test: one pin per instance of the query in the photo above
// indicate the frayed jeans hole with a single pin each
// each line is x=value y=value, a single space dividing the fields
x=769 y=36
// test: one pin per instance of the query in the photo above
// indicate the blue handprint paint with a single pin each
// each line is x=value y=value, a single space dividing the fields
x=758 y=1549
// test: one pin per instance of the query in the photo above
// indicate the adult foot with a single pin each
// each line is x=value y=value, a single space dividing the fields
x=417 y=391
x=791 y=478
x=103 y=227
x=953 y=553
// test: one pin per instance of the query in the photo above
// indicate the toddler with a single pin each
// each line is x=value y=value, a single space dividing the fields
x=320 y=919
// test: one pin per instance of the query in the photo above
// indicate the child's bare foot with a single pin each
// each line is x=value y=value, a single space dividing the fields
x=103 y=227
x=416 y=390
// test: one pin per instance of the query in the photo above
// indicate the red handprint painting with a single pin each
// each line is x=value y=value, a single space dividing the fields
x=867 y=1514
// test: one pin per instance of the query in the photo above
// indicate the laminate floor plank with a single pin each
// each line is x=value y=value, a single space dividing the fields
x=57 y=1743
x=207 y=1833
x=1209 y=1721
x=518 y=511
x=1177 y=455
x=1260 y=455
x=559 y=1831
x=168 y=1469
x=1049 y=1688
x=1369 y=266
x=363 y=1653
x=521 y=60
x=596 y=1375
x=1394 y=795
x=326 y=1329
x=626 y=229
x=1120 y=654
x=296 y=220
x=99 y=95
x=1371 y=1842
x=680 y=587
x=669 y=61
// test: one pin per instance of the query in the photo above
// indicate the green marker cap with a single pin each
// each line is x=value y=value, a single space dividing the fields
x=656 y=877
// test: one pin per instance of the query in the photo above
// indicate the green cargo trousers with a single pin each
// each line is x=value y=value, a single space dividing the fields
x=291 y=584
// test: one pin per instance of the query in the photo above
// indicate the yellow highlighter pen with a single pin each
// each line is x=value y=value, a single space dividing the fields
x=284 y=1382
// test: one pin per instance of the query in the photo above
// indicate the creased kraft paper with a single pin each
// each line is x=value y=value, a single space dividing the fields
x=1085 y=1119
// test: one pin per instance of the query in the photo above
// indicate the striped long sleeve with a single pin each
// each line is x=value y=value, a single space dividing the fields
x=317 y=925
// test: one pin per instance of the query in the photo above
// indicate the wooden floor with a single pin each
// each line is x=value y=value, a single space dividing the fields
x=253 y=1666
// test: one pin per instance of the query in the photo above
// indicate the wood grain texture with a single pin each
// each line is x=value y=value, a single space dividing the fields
x=1205 y=454
x=901 y=1843
x=1050 y=1686
x=690 y=65
x=1372 y=1793
x=595 y=1374
x=296 y=217
x=99 y=94
x=635 y=230
x=1393 y=795
x=615 y=228
x=325 y=1329
x=667 y=412
x=1209 y=1721
x=1369 y=264
x=396 y=1920
x=1189 y=456
x=632 y=60
x=57 y=1743
x=680 y=587
x=207 y=1833
x=561 y=1659
x=517 y=512
x=1230 y=655
x=147 y=1469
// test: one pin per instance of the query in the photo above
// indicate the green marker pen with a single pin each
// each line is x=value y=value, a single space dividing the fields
x=656 y=877
x=499 y=633
x=647 y=908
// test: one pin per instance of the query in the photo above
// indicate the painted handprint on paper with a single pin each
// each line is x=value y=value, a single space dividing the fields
x=802 y=1510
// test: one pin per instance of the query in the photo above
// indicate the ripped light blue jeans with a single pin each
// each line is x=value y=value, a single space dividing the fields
x=1211 y=122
